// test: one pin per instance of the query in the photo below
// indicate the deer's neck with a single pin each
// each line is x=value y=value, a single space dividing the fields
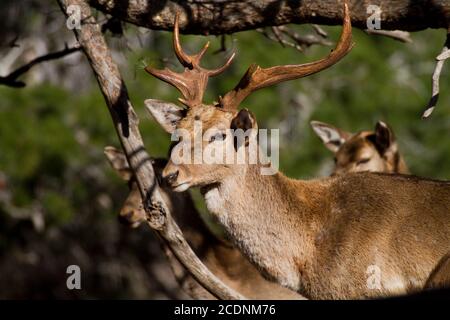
x=272 y=219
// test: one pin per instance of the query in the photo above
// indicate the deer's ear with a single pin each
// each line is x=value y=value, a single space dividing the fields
x=166 y=114
x=118 y=162
x=244 y=120
x=333 y=138
x=384 y=137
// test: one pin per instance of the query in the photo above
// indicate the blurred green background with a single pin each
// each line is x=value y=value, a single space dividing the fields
x=57 y=189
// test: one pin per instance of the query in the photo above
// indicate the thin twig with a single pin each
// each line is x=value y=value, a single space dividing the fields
x=223 y=46
x=278 y=36
x=304 y=41
x=402 y=36
x=287 y=37
x=282 y=41
x=445 y=54
x=318 y=29
x=126 y=124
x=11 y=79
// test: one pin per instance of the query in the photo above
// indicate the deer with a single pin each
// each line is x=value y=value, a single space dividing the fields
x=324 y=238
x=375 y=151
x=225 y=261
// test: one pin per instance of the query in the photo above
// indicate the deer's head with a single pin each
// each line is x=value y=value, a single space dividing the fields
x=375 y=151
x=218 y=118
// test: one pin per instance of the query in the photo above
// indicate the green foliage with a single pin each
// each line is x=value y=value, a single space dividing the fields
x=58 y=209
x=39 y=152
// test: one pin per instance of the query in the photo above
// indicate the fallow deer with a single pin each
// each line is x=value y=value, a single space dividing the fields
x=318 y=237
x=221 y=258
x=375 y=151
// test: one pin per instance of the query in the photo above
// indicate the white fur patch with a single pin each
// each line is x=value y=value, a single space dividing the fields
x=394 y=284
x=214 y=202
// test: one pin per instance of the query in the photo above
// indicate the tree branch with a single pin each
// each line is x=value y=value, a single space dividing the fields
x=288 y=37
x=224 y=17
x=398 y=35
x=126 y=124
x=445 y=54
x=11 y=79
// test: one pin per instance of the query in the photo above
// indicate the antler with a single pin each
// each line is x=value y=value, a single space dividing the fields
x=193 y=80
x=256 y=77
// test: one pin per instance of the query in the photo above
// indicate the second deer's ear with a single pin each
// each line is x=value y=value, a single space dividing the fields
x=166 y=114
x=333 y=138
x=118 y=162
x=384 y=137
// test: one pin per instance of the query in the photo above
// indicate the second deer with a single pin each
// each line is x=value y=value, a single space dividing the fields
x=375 y=151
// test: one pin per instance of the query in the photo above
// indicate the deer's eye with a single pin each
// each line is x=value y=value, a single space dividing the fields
x=362 y=161
x=218 y=137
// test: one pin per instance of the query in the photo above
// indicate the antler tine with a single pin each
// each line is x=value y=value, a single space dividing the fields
x=199 y=55
x=184 y=58
x=193 y=61
x=193 y=80
x=256 y=77
x=218 y=71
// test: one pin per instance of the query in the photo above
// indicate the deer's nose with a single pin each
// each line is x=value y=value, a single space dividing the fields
x=171 y=177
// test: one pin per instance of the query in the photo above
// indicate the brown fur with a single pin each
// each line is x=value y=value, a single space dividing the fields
x=319 y=237
x=352 y=150
x=440 y=277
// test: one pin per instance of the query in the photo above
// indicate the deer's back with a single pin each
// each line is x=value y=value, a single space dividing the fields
x=391 y=228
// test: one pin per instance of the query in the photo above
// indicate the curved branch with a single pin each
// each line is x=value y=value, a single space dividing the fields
x=126 y=123
x=224 y=17
x=440 y=60
x=11 y=79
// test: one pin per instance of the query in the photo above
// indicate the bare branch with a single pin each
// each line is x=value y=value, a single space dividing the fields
x=304 y=41
x=445 y=54
x=318 y=29
x=225 y=17
x=287 y=37
x=126 y=124
x=398 y=35
x=277 y=34
x=280 y=40
x=11 y=79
